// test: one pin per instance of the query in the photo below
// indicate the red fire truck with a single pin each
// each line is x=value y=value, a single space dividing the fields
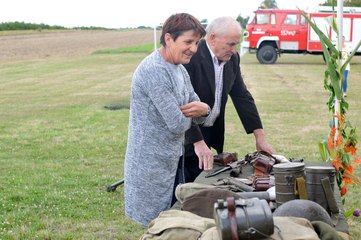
x=274 y=31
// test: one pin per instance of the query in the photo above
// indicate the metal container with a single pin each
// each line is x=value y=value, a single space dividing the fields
x=314 y=176
x=243 y=218
x=285 y=180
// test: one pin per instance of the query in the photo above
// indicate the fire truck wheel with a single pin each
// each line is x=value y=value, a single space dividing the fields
x=267 y=54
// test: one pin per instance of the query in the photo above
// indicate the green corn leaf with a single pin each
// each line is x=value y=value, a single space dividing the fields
x=322 y=147
x=351 y=55
x=327 y=48
x=331 y=20
x=320 y=34
x=332 y=70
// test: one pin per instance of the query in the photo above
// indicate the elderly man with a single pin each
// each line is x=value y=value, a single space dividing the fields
x=215 y=73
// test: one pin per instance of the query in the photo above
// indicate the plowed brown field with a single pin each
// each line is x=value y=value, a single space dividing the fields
x=32 y=45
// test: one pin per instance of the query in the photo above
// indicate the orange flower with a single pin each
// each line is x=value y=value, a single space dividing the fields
x=343 y=190
x=347 y=180
x=349 y=169
x=357 y=161
x=351 y=149
x=337 y=163
x=339 y=140
x=330 y=143
x=333 y=131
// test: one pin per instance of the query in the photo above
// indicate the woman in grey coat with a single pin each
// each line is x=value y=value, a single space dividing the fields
x=163 y=106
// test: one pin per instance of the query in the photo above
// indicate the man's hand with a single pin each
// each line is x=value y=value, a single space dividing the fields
x=204 y=154
x=261 y=143
x=194 y=109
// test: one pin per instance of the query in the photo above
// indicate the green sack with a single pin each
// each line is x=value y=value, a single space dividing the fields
x=202 y=201
x=186 y=189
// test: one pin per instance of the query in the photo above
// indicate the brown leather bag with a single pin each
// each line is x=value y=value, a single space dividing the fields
x=263 y=182
x=262 y=161
x=225 y=158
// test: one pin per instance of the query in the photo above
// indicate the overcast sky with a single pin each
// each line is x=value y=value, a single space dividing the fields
x=128 y=13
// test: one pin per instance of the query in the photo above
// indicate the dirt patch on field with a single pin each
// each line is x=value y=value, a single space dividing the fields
x=32 y=45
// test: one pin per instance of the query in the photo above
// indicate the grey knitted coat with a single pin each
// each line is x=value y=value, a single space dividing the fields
x=155 y=136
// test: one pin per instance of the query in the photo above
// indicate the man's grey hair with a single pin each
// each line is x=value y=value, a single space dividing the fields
x=221 y=25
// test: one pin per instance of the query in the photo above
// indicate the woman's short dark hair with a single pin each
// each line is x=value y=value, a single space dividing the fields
x=178 y=23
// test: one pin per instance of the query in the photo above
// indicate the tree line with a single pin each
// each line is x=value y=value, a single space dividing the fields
x=9 y=26
x=346 y=3
x=5 y=26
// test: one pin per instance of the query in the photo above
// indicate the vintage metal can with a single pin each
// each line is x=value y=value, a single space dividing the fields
x=243 y=218
x=285 y=180
x=314 y=176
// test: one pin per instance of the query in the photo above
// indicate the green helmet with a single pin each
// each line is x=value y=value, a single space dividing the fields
x=303 y=209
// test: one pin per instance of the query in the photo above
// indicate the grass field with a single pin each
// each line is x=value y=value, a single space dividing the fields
x=63 y=134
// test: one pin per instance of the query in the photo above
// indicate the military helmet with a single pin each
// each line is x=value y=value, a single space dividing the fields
x=303 y=209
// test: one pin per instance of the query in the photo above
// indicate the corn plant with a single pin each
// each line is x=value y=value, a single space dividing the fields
x=341 y=145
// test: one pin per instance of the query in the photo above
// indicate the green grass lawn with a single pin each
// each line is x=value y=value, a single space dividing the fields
x=63 y=135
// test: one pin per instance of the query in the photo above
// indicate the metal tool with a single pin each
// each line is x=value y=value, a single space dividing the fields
x=113 y=187
x=235 y=182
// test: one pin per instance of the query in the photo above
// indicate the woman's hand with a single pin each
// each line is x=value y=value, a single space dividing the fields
x=195 y=109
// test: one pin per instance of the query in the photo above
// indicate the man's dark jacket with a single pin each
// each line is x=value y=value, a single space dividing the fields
x=201 y=72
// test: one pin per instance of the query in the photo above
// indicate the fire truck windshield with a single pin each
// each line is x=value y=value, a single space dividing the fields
x=262 y=18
